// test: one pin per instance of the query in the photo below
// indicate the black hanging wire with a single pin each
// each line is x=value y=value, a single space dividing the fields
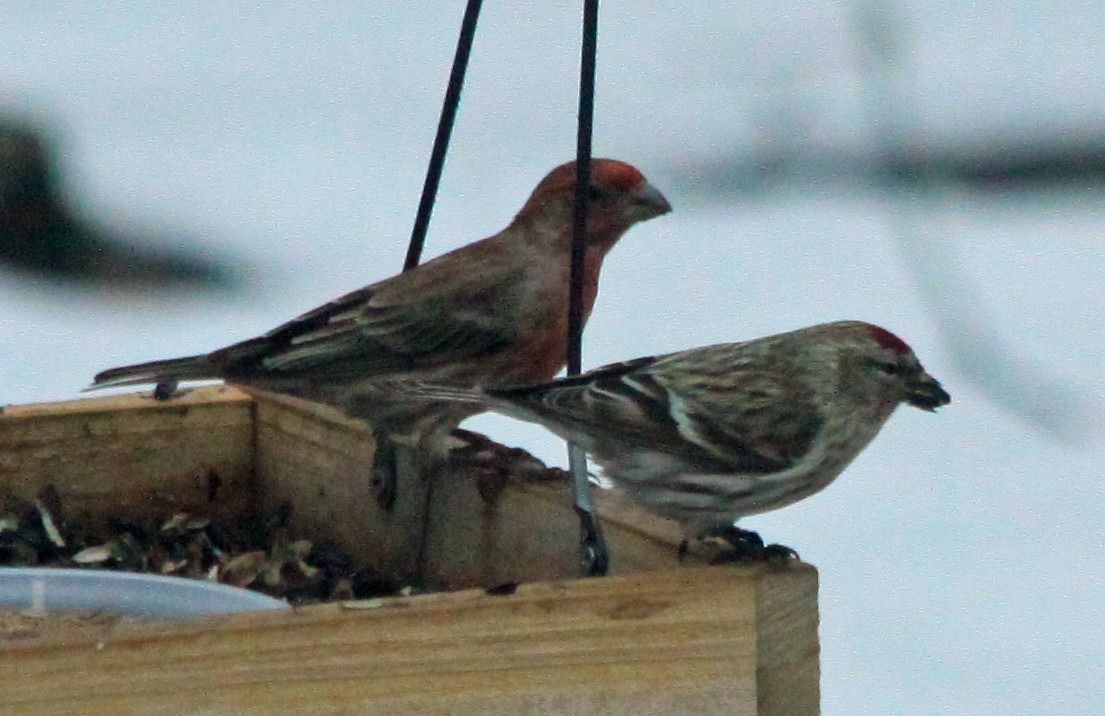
x=426 y=207
x=594 y=559
x=583 y=181
x=444 y=132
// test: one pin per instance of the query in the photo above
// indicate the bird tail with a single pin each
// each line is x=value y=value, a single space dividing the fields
x=158 y=371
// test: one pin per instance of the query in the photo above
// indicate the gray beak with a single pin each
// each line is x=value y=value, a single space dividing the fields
x=926 y=393
x=649 y=199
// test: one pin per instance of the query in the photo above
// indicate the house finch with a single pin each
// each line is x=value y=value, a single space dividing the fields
x=709 y=435
x=492 y=313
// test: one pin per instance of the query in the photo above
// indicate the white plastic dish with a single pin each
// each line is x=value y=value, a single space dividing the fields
x=43 y=589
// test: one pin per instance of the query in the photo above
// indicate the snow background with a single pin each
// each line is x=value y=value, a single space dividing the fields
x=960 y=555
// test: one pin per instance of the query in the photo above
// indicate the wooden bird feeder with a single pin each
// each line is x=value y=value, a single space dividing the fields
x=657 y=637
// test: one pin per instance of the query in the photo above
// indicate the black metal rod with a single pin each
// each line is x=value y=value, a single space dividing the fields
x=594 y=558
x=444 y=132
x=583 y=181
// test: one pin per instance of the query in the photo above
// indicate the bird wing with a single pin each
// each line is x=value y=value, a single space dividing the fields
x=640 y=403
x=762 y=421
x=384 y=330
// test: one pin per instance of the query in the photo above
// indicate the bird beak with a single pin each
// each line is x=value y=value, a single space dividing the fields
x=926 y=393
x=649 y=201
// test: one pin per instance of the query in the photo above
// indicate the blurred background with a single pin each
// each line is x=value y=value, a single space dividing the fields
x=179 y=177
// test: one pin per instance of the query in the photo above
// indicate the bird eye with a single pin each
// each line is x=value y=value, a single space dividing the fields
x=594 y=193
x=888 y=367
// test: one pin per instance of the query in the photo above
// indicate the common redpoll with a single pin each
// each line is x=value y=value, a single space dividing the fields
x=709 y=435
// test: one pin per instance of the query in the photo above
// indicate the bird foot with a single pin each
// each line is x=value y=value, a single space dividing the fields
x=740 y=546
x=594 y=559
x=165 y=389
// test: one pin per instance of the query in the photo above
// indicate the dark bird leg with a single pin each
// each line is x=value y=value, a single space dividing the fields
x=165 y=389
x=746 y=546
x=594 y=559
x=385 y=471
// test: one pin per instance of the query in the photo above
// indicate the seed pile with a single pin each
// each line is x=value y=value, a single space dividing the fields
x=258 y=552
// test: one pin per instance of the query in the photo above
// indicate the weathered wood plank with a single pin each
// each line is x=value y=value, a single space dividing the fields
x=132 y=456
x=679 y=640
x=690 y=641
x=320 y=462
x=531 y=532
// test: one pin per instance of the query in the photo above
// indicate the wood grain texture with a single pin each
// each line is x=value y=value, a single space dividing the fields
x=132 y=456
x=320 y=462
x=531 y=532
x=682 y=642
x=660 y=638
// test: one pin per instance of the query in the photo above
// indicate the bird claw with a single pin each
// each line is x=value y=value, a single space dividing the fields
x=594 y=559
x=778 y=554
x=746 y=547
x=165 y=389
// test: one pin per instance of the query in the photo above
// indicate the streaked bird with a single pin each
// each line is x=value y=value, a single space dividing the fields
x=492 y=313
x=710 y=435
